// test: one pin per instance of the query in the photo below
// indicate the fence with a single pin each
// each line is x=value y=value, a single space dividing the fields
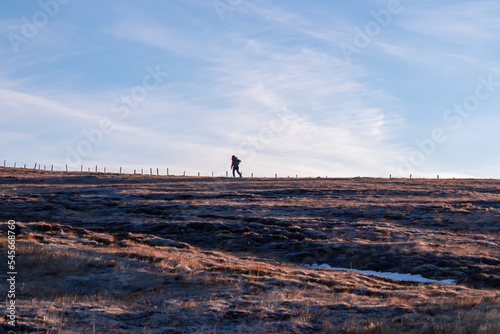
x=142 y=171
x=120 y=170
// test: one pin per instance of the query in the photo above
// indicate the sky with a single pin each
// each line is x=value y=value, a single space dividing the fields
x=308 y=88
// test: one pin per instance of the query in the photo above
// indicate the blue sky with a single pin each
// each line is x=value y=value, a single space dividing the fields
x=317 y=88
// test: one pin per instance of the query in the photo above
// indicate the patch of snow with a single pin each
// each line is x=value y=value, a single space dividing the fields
x=402 y=277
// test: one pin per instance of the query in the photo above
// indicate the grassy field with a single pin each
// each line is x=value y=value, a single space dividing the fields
x=116 y=253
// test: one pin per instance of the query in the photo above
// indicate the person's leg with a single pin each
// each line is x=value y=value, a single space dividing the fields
x=234 y=168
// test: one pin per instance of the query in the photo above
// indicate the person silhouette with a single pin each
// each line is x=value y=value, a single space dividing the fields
x=235 y=165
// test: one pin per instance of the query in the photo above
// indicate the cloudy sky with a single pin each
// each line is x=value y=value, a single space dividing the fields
x=316 y=88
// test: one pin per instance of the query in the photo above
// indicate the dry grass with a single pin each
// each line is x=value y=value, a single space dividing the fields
x=141 y=256
x=185 y=283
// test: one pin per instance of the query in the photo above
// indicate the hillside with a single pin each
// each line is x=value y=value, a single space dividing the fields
x=117 y=253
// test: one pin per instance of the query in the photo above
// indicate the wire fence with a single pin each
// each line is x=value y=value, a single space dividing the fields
x=116 y=170
x=153 y=171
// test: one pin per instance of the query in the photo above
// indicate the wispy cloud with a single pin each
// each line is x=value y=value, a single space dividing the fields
x=268 y=83
x=461 y=23
x=155 y=35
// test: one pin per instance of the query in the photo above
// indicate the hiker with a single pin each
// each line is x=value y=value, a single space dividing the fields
x=235 y=165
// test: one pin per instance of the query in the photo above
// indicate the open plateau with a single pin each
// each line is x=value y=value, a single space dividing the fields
x=121 y=253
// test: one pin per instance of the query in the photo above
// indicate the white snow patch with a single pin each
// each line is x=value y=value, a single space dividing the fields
x=403 y=277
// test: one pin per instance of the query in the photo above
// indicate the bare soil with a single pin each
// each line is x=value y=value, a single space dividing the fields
x=116 y=253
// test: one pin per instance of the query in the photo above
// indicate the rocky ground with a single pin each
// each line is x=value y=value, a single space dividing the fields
x=110 y=253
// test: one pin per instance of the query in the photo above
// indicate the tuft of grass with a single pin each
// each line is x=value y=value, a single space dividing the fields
x=368 y=326
x=464 y=322
x=328 y=328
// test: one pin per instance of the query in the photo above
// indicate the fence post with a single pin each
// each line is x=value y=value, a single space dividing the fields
x=198 y=174
x=120 y=170
x=134 y=171
x=167 y=171
x=276 y=175
x=184 y=173
x=252 y=175
x=4 y=162
x=14 y=165
x=24 y=166
x=157 y=171
x=52 y=168
x=81 y=168
x=438 y=176
x=410 y=176
x=226 y=173
x=150 y=171
x=66 y=167
x=104 y=169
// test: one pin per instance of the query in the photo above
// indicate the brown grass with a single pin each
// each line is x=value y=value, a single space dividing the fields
x=301 y=303
x=100 y=274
